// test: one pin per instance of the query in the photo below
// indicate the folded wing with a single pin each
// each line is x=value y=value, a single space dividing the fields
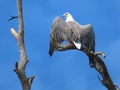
x=71 y=32
x=60 y=31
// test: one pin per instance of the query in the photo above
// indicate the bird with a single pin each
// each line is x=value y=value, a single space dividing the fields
x=71 y=31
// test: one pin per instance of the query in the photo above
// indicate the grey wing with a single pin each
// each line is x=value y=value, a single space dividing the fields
x=83 y=34
x=92 y=43
x=60 y=31
x=89 y=41
x=88 y=38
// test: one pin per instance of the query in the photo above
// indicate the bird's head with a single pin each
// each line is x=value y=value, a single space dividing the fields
x=68 y=17
x=66 y=14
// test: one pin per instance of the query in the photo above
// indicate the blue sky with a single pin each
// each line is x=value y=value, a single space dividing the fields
x=67 y=70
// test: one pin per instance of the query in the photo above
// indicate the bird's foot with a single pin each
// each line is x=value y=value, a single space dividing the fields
x=60 y=48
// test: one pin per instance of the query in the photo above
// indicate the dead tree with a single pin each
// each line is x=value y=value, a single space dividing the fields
x=97 y=63
x=19 y=36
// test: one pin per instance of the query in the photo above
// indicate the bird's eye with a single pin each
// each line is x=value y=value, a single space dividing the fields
x=66 y=14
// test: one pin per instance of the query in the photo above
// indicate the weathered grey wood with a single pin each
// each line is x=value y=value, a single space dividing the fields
x=26 y=82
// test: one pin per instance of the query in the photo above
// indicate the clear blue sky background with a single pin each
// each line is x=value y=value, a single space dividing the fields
x=67 y=70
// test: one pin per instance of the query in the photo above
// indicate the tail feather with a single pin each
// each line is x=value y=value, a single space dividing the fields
x=77 y=45
x=91 y=59
x=51 y=47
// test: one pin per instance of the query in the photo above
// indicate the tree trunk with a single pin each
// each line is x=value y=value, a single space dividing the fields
x=20 y=67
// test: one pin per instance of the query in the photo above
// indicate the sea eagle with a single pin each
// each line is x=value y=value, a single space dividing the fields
x=72 y=32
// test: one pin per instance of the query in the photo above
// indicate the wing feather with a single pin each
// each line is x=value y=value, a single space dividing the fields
x=60 y=31
x=83 y=34
x=71 y=32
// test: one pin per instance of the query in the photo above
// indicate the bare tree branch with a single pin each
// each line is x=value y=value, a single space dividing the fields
x=20 y=67
x=12 y=17
x=97 y=63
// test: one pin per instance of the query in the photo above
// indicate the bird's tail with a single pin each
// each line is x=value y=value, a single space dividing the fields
x=91 y=60
x=77 y=45
x=51 y=47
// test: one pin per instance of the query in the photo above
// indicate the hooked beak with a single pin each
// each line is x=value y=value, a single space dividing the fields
x=63 y=16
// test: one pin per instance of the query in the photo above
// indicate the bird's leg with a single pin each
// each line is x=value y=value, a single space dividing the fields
x=58 y=46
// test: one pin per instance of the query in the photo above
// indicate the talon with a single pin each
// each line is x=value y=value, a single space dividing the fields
x=60 y=48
